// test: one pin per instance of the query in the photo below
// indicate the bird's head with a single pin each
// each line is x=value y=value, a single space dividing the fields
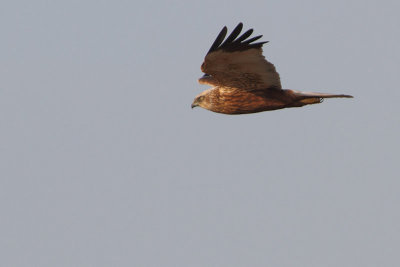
x=202 y=100
x=198 y=101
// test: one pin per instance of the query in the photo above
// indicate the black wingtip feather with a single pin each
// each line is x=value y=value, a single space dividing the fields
x=255 y=38
x=233 y=34
x=244 y=36
x=233 y=42
x=219 y=39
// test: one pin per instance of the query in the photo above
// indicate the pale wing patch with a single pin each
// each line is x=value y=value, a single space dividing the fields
x=247 y=70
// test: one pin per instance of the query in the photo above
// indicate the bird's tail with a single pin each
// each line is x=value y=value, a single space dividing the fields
x=315 y=98
x=318 y=95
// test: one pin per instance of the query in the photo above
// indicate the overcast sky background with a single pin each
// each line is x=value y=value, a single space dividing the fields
x=103 y=163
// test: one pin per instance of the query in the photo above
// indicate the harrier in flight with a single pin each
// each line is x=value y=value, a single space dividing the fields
x=243 y=80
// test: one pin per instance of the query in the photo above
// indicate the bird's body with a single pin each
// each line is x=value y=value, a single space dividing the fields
x=233 y=101
x=243 y=81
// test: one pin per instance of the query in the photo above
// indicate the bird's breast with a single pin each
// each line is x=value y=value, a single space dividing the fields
x=242 y=102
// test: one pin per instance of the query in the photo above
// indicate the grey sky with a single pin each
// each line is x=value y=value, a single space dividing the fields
x=103 y=163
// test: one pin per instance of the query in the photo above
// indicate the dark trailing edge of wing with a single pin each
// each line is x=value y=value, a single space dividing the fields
x=233 y=42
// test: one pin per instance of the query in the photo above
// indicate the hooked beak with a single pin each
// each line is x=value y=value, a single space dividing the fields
x=194 y=105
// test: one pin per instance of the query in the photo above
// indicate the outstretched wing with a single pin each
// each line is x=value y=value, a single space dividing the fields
x=238 y=62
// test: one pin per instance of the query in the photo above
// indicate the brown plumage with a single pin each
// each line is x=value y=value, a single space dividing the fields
x=244 y=81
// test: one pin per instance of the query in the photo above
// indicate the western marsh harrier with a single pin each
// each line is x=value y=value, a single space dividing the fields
x=243 y=80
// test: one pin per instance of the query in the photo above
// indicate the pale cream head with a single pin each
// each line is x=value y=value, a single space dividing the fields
x=201 y=100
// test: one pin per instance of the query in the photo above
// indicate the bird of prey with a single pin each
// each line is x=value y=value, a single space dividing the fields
x=243 y=80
